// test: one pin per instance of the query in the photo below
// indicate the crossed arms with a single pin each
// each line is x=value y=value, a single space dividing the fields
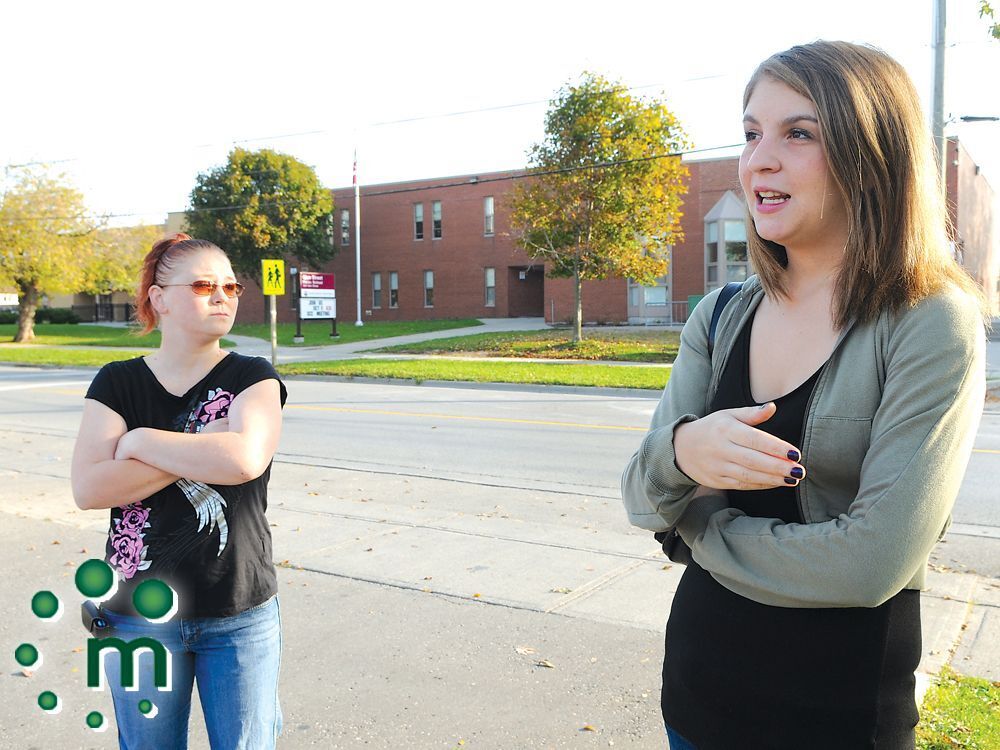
x=113 y=466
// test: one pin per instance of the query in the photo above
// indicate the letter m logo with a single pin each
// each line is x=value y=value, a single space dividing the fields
x=128 y=652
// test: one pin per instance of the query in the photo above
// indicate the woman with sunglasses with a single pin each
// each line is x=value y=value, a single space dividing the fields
x=178 y=444
x=811 y=460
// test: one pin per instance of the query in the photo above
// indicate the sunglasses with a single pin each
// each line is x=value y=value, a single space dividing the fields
x=207 y=288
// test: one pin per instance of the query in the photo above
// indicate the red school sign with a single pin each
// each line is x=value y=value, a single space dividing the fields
x=318 y=281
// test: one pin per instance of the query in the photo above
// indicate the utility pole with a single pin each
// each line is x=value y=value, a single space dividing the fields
x=357 y=240
x=937 y=115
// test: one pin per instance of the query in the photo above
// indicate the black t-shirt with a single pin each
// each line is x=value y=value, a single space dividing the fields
x=211 y=543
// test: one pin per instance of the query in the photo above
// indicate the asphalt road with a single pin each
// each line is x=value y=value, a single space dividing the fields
x=527 y=441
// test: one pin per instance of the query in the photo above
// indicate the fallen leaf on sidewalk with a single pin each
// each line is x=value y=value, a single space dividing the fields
x=57 y=542
x=561 y=590
x=545 y=663
x=476 y=596
x=525 y=650
x=588 y=728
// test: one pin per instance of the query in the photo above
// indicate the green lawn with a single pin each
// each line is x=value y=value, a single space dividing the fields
x=960 y=712
x=630 y=345
x=610 y=376
x=317 y=332
x=30 y=355
x=66 y=334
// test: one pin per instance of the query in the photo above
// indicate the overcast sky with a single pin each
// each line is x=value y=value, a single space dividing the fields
x=133 y=100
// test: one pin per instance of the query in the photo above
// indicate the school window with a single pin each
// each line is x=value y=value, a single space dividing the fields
x=428 y=289
x=393 y=289
x=491 y=287
x=436 y=216
x=488 y=215
x=418 y=221
x=345 y=227
x=711 y=256
x=376 y=290
x=737 y=264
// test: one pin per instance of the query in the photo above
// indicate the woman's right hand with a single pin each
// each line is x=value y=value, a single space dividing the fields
x=724 y=450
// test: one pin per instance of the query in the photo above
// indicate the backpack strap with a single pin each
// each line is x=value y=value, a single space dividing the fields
x=727 y=293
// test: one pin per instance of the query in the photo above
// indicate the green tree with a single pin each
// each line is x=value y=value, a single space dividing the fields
x=116 y=255
x=263 y=204
x=986 y=11
x=604 y=193
x=46 y=242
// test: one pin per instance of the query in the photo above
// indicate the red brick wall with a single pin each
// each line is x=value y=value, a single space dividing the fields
x=709 y=181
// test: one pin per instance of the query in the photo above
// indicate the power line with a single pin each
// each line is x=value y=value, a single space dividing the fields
x=383 y=123
x=518 y=175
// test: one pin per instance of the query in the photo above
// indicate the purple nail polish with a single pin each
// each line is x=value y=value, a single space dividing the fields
x=793 y=455
x=797 y=472
x=789 y=480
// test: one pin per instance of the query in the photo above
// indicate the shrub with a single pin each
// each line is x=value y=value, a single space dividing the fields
x=56 y=315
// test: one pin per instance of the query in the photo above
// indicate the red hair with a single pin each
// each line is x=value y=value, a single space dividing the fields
x=155 y=267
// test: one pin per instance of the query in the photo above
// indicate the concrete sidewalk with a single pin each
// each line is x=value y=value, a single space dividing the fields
x=418 y=614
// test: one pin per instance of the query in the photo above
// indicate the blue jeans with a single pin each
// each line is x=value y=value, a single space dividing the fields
x=676 y=742
x=235 y=660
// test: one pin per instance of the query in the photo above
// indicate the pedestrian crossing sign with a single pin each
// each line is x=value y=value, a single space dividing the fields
x=272 y=276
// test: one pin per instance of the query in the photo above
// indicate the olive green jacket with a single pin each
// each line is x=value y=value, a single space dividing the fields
x=887 y=437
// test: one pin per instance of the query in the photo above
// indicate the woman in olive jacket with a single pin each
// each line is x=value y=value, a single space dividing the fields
x=811 y=459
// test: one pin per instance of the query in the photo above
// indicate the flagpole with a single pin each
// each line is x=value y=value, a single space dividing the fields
x=357 y=238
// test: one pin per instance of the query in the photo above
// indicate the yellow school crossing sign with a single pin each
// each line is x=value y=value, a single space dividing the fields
x=273 y=276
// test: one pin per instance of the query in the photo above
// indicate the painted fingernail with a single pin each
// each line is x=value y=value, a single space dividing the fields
x=789 y=480
x=797 y=472
x=793 y=455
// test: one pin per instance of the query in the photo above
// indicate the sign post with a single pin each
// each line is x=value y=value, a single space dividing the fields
x=272 y=277
x=318 y=298
x=294 y=272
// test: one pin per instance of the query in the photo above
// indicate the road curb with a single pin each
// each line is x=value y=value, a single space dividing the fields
x=585 y=390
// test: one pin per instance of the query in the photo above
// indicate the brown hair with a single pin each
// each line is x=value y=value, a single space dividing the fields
x=881 y=158
x=156 y=267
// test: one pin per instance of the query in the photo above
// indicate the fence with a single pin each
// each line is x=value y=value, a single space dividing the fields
x=105 y=312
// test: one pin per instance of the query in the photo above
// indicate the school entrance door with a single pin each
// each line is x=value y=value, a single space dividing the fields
x=526 y=291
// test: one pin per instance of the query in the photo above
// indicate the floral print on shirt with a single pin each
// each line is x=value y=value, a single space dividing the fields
x=127 y=541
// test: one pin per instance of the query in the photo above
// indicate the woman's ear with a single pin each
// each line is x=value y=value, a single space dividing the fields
x=157 y=300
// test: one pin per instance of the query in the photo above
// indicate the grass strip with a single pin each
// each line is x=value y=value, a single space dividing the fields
x=598 y=345
x=317 y=332
x=29 y=355
x=419 y=370
x=960 y=712
x=68 y=334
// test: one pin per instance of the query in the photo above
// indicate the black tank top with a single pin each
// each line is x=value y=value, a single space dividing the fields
x=739 y=674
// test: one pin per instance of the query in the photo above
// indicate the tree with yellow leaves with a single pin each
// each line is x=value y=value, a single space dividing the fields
x=46 y=240
x=603 y=196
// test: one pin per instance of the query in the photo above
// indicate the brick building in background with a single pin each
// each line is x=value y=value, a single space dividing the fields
x=441 y=248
